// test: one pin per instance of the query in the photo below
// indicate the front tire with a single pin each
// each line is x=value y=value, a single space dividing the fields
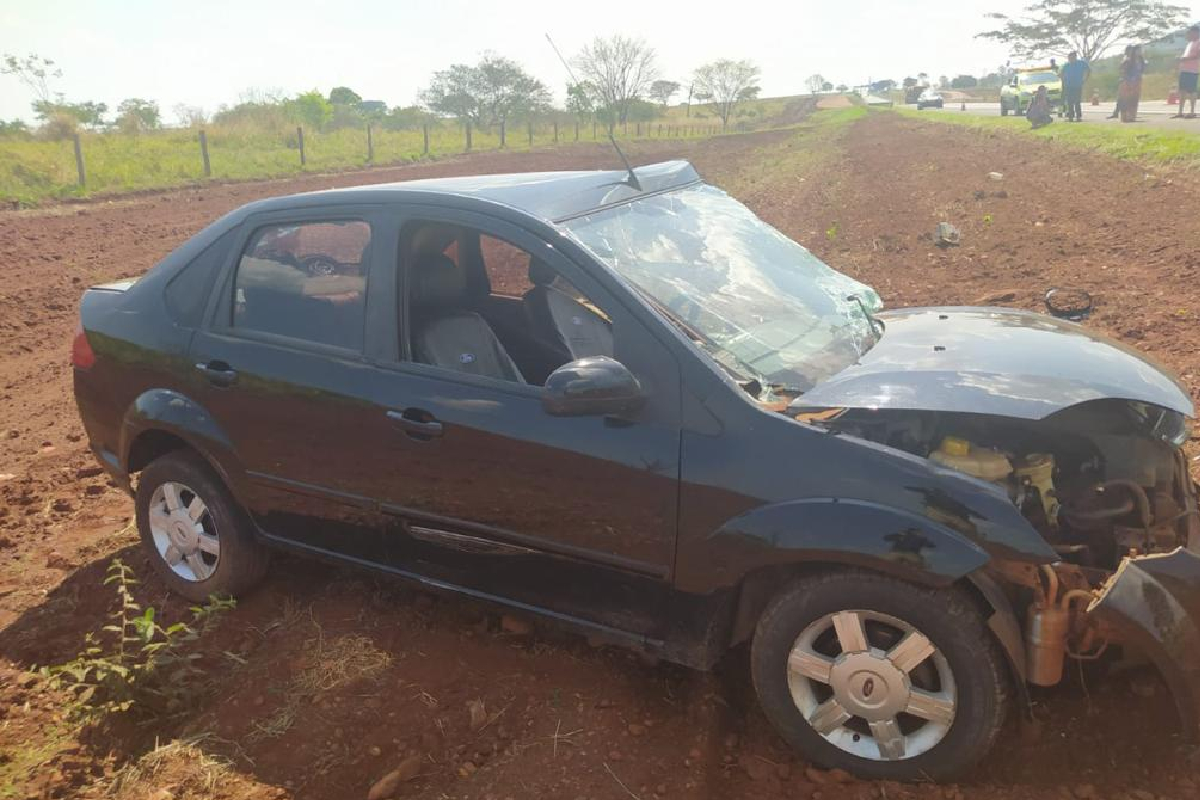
x=197 y=537
x=881 y=678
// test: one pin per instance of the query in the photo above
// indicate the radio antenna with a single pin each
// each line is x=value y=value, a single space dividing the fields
x=632 y=180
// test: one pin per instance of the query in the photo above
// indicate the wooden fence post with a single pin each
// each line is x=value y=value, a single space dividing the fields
x=204 y=153
x=556 y=131
x=468 y=134
x=300 y=136
x=639 y=129
x=577 y=130
x=370 y=146
x=425 y=130
x=593 y=129
x=531 y=134
x=80 y=171
x=660 y=129
x=502 y=133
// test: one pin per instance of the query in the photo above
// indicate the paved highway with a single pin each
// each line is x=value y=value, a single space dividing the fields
x=1153 y=113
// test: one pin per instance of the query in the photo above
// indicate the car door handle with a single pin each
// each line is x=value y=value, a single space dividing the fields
x=218 y=373
x=418 y=424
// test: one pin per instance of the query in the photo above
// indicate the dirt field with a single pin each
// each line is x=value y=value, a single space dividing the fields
x=328 y=679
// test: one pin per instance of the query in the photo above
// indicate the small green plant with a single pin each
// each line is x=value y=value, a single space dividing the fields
x=135 y=663
x=987 y=219
x=831 y=232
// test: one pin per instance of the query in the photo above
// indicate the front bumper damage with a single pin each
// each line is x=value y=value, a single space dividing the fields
x=1152 y=603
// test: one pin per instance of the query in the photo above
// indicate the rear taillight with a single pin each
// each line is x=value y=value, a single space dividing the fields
x=81 y=352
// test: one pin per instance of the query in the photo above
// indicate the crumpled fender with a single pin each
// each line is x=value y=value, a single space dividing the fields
x=175 y=413
x=1153 y=603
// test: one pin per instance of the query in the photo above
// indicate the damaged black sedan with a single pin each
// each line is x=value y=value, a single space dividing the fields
x=621 y=400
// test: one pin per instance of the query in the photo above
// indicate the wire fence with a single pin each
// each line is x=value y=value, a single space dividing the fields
x=32 y=170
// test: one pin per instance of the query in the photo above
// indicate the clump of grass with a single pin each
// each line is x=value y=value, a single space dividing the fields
x=181 y=764
x=346 y=659
x=327 y=665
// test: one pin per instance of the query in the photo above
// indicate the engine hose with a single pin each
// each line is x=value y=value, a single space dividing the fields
x=1138 y=500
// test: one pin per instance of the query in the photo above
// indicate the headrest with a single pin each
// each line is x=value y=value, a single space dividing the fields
x=540 y=274
x=437 y=281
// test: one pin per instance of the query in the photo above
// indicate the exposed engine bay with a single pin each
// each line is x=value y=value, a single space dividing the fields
x=1103 y=482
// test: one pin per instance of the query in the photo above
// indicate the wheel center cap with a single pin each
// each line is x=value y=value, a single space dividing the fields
x=868 y=685
x=183 y=534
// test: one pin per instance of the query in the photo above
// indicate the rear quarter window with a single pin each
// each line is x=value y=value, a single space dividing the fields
x=187 y=293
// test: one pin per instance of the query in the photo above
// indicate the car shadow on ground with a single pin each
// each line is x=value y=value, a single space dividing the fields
x=327 y=678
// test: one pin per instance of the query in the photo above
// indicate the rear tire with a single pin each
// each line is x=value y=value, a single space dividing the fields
x=1003 y=109
x=186 y=515
x=944 y=702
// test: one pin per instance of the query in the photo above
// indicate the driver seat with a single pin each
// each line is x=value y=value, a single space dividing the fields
x=444 y=332
x=561 y=321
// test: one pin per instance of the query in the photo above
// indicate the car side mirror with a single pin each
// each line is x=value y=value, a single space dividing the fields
x=591 y=387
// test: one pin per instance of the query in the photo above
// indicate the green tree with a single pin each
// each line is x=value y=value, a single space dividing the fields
x=662 y=91
x=826 y=87
x=581 y=99
x=311 y=109
x=88 y=113
x=964 y=82
x=815 y=82
x=1089 y=27
x=728 y=82
x=344 y=96
x=135 y=114
x=486 y=94
x=621 y=69
x=16 y=129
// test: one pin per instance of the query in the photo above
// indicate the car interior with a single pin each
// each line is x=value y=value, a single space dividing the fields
x=481 y=306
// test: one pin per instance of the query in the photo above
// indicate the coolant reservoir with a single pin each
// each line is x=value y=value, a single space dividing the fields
x=979 y=462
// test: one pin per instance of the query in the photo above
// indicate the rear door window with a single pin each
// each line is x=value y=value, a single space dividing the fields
x=305 y=281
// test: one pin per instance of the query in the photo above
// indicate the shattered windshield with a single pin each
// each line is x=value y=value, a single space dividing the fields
x=761 y=305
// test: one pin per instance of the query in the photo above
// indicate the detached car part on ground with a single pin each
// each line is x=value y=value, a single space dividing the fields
x=712 y=438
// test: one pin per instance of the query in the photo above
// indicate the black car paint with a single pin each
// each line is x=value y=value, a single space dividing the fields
x=647 y=526
x=977 y=360
x=1153 y=602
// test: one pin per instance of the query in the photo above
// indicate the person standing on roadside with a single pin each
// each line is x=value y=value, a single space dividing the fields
x=1129 y=94
x=1074 y=75
x=1189 y=72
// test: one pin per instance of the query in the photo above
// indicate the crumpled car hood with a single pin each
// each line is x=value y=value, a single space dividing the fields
x=993 y=361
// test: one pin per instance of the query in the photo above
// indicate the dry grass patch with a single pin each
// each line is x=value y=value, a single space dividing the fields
x=181 y=770
x=327 y=665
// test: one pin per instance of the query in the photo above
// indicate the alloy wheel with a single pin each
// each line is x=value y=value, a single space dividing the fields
x=184 y=531
x=872 y=685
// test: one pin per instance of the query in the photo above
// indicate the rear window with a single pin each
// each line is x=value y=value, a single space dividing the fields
x=305 y=281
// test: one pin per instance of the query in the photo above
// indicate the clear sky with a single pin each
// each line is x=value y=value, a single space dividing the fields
x=207 y=53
